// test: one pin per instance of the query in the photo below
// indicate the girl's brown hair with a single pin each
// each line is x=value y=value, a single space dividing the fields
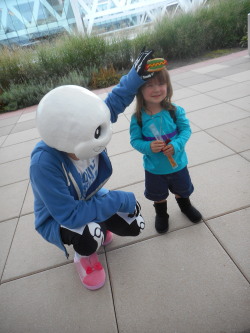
x=163 y=77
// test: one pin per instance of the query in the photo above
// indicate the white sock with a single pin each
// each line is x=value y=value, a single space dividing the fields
x=78 y=256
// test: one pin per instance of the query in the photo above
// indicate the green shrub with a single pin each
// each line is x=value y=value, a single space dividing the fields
x=80 y=52
x=220 y=24
x=23 y=95
x=180 y=37
x=141 y=40
x=49 y=61
x=106 y=77
x=10 y=66
x=75 y=78
x=118 y=53
x=30 y=93
x=226 y=23
x=244 y=42
x=26 y=74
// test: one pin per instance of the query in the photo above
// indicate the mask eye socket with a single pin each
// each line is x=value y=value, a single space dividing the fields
x=98 y=132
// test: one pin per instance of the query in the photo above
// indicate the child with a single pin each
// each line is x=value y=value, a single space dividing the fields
x=164 y=158
x=70 y=166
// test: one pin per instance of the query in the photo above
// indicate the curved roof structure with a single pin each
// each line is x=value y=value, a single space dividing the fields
x=25 y=21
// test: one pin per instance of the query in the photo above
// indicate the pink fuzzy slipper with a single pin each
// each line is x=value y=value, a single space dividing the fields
x=91 y=272
x=109 y=238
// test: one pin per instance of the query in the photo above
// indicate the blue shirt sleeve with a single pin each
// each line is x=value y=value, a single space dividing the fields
x=136 y=138
x=184 y=130
x=123 y=94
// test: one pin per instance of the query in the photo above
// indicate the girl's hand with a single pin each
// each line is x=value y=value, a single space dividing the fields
x=157 y=146
x=168 y=150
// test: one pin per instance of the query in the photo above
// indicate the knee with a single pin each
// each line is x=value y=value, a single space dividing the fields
x=85 y=248
x=90 y=240
x=134 y=229
x=137 y=226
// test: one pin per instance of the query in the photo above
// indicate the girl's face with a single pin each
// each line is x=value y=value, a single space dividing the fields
x=154 y=92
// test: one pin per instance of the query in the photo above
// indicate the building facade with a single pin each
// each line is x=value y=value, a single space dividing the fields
x=24 y=22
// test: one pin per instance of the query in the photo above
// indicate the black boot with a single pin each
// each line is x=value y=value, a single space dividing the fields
x=192 y=213
x=161 y=218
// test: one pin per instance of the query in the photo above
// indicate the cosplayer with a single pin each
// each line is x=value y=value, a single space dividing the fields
x=70 y=166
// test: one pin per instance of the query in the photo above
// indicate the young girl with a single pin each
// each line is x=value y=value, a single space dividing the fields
x=160 y=130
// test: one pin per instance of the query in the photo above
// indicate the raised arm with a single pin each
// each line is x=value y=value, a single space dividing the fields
x=123 y=94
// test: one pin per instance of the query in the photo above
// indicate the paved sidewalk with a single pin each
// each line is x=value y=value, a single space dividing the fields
x=194 y=279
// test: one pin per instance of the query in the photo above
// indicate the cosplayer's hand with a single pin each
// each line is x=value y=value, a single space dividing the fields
x=168 y=150
x=141 y=62
x=157 y=146
x=137 y=210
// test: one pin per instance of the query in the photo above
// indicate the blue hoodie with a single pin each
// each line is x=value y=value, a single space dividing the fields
x=58 y=187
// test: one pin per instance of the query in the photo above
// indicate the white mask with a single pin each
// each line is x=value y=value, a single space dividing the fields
x=74 y=120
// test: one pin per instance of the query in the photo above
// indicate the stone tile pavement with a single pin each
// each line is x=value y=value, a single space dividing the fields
x=194 y=279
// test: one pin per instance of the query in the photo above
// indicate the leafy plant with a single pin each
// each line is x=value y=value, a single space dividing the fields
x=19 y=96
x=94 y=61
x=244 y=42
x=104 y=78
x=30 y=93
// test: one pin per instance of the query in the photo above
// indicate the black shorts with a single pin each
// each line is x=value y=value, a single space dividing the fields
x=157 y=187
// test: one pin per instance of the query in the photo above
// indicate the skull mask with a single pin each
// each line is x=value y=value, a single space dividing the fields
x=74 y=120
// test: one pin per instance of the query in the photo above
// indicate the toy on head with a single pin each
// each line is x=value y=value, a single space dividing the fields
x=74 y=120
x=155 y=65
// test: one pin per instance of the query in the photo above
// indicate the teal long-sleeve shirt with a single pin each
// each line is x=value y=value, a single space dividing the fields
x=179 y=132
